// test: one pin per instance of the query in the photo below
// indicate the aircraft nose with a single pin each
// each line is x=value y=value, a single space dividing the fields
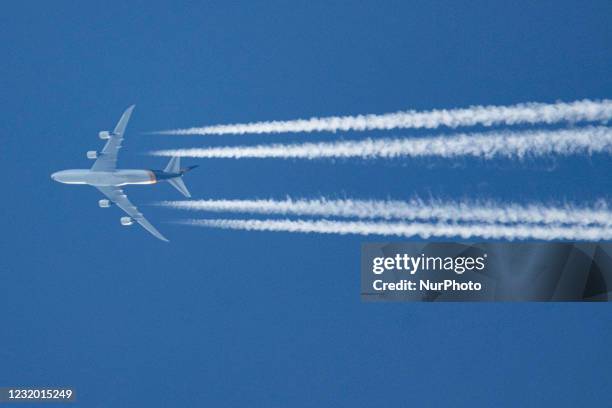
x=54 y=176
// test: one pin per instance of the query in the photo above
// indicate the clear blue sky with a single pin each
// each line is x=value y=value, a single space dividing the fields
x=228 y=318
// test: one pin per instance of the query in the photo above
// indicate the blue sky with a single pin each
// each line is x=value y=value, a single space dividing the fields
x=232 y=318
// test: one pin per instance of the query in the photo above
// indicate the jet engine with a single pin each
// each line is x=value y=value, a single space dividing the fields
x=104 y=135
x=92 y=155
x=126 y=221
x=104 y=203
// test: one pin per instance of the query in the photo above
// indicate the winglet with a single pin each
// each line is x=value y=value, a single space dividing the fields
x=147 y=225
x=125 y=118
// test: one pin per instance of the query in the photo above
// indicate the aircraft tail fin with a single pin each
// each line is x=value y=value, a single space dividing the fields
x=174 y=166
x=178 y=183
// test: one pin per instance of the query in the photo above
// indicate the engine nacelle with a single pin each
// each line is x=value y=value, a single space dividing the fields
x=126 y=221
x=104 y=135
x=92 y=155
x=104 y=203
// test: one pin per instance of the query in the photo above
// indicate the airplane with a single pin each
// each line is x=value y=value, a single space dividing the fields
x=105 y=176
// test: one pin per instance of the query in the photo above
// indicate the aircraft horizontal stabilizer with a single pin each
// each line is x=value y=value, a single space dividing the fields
x=180 y=186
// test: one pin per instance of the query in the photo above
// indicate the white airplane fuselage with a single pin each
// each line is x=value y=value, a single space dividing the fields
x=107 y=178
x=104 y=176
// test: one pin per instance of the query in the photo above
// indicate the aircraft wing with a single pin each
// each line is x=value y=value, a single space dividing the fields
x=117 y=196
x=107 y=160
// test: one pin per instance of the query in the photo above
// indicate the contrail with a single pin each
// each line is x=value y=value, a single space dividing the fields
x=482 y=145
x=422 y=230
x=408 y=210
x=524 y=113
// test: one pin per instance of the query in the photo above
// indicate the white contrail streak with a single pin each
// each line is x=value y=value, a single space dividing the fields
x=422 y=230
x=408 y=210
x=524 y=113
x=483 y=145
